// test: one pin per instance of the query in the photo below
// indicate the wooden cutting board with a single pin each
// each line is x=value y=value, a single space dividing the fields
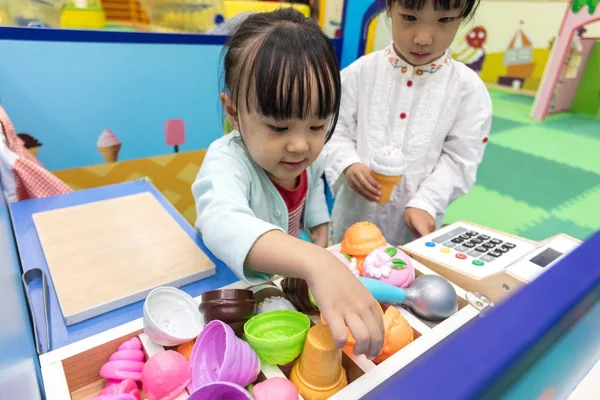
x=108 y=254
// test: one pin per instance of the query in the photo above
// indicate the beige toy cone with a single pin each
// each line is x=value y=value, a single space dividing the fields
x=111 y=153
x=319 y=374
x=388 y=183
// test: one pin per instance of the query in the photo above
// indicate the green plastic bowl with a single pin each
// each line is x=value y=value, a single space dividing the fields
x=277 y=336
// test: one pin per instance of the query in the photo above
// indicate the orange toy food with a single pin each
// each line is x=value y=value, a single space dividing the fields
x=398 y=334
x=351 y=341
x=360 y=239
x=318 y=374
x=185 y=349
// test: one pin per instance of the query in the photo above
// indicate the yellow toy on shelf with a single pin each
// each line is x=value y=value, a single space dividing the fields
x=193 y=16
x=235 y=7
x=83 y=14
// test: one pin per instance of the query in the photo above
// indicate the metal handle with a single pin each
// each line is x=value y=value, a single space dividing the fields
x=27 y=278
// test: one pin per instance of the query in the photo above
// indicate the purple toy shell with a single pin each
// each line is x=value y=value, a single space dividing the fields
x=220 y=356
x=220 y=391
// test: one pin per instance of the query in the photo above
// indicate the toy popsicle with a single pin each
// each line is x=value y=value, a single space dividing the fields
x=175 y=133
x=430 y=296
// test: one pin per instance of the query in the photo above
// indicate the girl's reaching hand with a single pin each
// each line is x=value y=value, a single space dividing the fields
x=361 y=181
x=344 y=301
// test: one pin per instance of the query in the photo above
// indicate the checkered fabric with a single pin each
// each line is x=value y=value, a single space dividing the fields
x=31 y=178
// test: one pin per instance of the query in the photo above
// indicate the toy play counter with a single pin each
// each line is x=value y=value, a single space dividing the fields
x=72 y=371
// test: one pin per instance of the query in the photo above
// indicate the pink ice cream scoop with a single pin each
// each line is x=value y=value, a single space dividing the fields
x=390 y=265
x=126 y=390
x=125 y=364
x=275 y=389
x=348 y=261
x=166 y=375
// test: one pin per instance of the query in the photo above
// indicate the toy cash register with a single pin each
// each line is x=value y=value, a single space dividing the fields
x=485 y=261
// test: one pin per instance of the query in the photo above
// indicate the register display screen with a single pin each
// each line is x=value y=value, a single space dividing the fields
x=546 y=257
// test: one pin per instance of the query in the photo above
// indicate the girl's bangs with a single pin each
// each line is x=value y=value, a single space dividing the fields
x=446 y=5
x=288 y=79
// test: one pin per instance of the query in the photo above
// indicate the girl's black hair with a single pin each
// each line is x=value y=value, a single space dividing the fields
x=468 y=6
x=279 y=61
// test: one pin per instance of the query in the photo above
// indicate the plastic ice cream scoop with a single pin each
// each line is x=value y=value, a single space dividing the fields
x=275 y=389
x=273 y=304
x=107 y=139
x=348 y=261
x=220 y=356
x=126 y=363
x=388 y=167
x=390 y=265
x=220 y=391
x=171 y=317
x=277 y=336
x=126 y=390
x=122 y=396
x=398 y=334
x=360 y=239
x=389 y=161
x=166 y=375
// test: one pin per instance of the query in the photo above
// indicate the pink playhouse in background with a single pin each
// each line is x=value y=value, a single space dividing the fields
x=572 y=74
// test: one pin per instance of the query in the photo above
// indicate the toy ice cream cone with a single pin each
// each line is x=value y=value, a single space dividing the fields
x=109 y=145
x=319 y=373
x=388 y=167
x=360 y=239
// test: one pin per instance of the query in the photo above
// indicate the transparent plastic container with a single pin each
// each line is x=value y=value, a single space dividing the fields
x=194 y=16
x=32 y=13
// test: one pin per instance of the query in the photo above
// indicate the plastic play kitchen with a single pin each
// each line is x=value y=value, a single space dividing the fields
x=264 y=342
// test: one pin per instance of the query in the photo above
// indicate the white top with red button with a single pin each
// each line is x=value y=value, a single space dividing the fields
x=439 y=114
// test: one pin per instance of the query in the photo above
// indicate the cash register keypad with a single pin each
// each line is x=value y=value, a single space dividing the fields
x=474 y=244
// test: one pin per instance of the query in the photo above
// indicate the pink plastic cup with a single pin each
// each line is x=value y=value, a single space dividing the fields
x=220 y=391
x=220 y=356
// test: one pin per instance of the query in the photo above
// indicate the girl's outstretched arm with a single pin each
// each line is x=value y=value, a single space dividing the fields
x=343 y=300
x=456 y=170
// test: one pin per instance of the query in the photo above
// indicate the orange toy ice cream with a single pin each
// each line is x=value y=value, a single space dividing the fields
x=388 y=167
x=360 y=239
x=108 y=145
x=349 y=347
x=398 y=334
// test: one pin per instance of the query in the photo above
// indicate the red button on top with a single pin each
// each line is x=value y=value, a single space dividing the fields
x=409 y=83
x=403 y=115
x=461 y=256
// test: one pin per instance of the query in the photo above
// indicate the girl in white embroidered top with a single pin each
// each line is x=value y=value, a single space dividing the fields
x=414 y=96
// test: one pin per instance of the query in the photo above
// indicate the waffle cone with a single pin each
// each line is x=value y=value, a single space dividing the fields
x=319 y=373
x=111 y=153
x=388 y=183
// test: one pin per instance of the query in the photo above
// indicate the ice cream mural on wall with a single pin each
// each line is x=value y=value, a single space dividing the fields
x=175 y=133
x=518 y=60
x=108 y=145
x=470 y=49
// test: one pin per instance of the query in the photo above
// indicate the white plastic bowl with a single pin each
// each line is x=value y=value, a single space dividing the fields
x=171 y=317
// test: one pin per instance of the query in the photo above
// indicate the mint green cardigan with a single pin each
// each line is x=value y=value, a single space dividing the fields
x=237 y=203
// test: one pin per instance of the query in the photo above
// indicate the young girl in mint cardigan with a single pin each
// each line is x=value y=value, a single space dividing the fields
x=261 y=185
